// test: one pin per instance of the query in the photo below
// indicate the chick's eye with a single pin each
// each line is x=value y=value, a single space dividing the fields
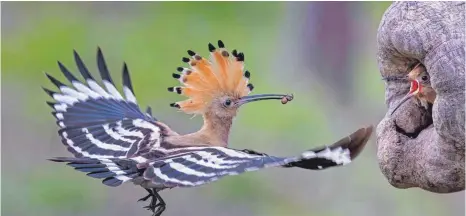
x=227 y=102
x=425 y=78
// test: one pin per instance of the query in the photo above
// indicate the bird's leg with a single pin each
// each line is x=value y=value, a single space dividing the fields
x=153 y=202
x=161 y=206
x=156 y=208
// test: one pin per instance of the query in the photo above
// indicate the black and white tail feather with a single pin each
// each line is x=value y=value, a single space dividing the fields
x=100 y=123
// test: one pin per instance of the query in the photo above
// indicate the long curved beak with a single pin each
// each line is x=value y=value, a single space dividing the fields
x=251 y=98
x=414 y=90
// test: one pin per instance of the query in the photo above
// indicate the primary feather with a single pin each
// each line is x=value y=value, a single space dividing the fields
x=99 y=123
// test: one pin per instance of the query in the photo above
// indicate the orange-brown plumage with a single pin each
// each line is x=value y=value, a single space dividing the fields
x=206 y=79
x=191 y=105
x=203 y=68
x=195 y=80
x=215 y=88
x=220 y=60
x=236 y=73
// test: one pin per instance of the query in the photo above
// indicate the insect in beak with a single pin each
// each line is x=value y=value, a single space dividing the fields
x=250 y=98
x=413 y=91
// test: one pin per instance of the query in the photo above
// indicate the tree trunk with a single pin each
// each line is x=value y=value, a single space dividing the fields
x=416 y=148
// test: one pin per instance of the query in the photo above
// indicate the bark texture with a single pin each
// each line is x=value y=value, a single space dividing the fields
x=418 y=147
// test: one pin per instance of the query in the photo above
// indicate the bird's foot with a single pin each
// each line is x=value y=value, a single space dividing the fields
x=160 y=209
x=153 y=201
x=157 y=205
x=161 y=206
x=153 y=204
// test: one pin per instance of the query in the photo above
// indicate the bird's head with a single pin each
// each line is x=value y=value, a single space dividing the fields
x=420 y=86
x=218 y=85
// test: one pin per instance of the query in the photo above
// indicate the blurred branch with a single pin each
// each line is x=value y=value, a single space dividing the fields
x=328 y=34
x=432 y=157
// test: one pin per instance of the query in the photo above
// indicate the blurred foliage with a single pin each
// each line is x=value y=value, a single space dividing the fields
x=152 y=37
x=62 y=191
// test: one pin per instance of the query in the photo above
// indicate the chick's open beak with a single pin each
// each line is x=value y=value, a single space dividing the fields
x=414 y=90
x=251 y=98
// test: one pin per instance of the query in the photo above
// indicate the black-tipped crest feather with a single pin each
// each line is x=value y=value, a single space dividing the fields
x=211 y=47
x=240 y=56
x=221 y=44
x=247 y=74
x=250 y=86
x=191 y=53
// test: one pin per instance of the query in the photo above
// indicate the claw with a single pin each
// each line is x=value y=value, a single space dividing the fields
x=160 y=209
x=156 y=205
x=144 y=198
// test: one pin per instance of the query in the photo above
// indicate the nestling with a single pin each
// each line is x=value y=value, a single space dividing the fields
x=420 y=88
x=112 y=139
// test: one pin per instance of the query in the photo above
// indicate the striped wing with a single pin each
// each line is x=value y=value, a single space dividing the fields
x=194 y=166
x=100 y=123
x=198 y=166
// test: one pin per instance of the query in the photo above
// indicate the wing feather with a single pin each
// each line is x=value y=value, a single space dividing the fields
x=200 y=165
x=194 y=166
x=99 y=123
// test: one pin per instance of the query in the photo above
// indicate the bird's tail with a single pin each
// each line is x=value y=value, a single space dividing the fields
x=340 y=153
x=113 y=171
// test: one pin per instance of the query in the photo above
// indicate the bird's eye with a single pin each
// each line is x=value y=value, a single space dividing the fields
x=425 y=78
x=227 y=102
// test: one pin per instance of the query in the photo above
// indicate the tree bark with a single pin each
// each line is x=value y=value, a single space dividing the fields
x=418 y=147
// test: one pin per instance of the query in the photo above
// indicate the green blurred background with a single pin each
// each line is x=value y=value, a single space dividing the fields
x=323 y=52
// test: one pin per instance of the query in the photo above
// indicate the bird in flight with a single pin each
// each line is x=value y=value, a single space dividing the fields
x=112 y=139
x=420 y=88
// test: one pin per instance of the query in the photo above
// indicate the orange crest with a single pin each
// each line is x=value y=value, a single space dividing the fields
x=204 y=80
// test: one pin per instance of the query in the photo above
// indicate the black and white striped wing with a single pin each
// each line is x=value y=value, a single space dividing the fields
x=201 y=165
x=100 y=123
x=194 y=166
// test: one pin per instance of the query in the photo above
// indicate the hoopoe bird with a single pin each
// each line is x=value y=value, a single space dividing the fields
x=420 y=88
x=112 y=139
